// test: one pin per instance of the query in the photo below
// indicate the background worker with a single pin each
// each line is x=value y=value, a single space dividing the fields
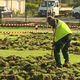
x=62 y=40
x=36 y=27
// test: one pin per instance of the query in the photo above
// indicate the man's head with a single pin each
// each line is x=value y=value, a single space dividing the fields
x=52 y=21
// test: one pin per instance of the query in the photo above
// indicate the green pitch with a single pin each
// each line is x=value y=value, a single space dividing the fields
x=73 y=58
x=5 y=53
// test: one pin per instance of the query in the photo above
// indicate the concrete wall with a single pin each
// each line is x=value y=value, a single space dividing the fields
x=16 y=5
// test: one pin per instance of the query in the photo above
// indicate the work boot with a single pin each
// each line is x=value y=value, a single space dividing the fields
x=59 y=66
x=67 y=64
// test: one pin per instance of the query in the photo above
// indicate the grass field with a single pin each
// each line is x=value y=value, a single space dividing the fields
x=21 y=29
x=5 y=31
x=28 y=29
x=5 y=53
x=25 y=54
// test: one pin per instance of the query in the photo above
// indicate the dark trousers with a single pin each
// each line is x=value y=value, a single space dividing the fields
x=63 y=45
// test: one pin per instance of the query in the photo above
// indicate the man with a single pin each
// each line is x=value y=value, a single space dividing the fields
x=62 y=39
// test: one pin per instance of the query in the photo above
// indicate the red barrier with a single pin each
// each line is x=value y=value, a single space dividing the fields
x=31 y=25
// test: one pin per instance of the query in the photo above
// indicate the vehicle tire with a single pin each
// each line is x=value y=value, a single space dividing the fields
x=77 y=15
x=11 y=16
x=53 y=14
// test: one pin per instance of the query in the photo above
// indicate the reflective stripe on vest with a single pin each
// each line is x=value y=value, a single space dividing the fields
x=61 y=30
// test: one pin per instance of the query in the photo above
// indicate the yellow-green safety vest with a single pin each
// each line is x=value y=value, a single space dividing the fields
x=62 y=30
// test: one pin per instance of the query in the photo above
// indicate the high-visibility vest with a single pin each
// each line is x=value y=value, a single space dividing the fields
x=62 y=30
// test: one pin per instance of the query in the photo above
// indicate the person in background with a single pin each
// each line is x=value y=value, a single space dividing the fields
x=62 y=39
x=36 y=27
